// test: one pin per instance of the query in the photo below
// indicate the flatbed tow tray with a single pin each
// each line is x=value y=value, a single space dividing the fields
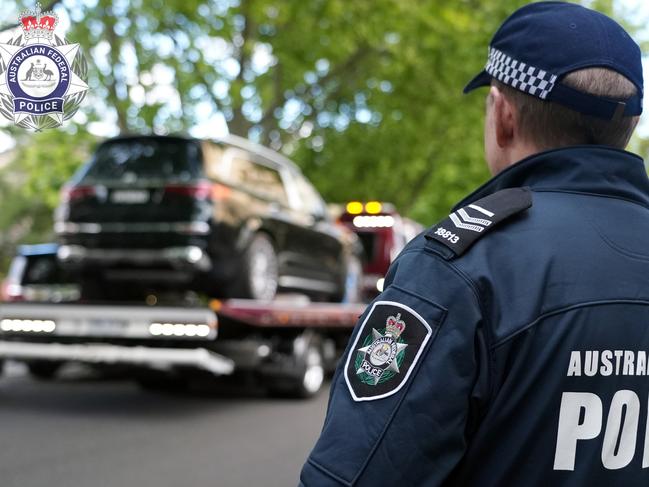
x=94 y=325
x=285 y=314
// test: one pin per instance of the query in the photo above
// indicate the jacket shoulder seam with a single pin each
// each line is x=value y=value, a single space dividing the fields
x=560 y=310
x=330 y=474
x=594 y=195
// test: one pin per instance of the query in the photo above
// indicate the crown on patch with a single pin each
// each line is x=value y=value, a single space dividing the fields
x=36 y=24
x=395 y=326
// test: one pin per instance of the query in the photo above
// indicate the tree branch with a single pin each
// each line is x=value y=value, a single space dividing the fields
x=239 y=124
x=419 y=183
x=278 y=99
x=345 y=68
x=208 y=87
x=115 y=46
x=341 y=69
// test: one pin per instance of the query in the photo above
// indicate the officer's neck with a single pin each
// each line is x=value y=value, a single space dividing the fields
x=511 y=154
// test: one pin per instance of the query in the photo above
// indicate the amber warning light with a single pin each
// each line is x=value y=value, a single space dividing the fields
x=371 y=207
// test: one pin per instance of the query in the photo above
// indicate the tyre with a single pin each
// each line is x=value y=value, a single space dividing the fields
x=313 y=373
x=310 y=379
x=44 y=369
x=259 y=271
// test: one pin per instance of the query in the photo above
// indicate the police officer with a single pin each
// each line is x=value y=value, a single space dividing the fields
x=510 y=346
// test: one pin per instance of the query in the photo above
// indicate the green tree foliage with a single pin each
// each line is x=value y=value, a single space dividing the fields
x=30 y=185
x=365 y=96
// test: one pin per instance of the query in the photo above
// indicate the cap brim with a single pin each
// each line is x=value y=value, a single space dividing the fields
x=482 y=79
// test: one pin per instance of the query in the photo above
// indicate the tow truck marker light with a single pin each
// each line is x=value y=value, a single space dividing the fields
x=35 y=326
x=354 y=207
x=179 y=329
x=373 y=207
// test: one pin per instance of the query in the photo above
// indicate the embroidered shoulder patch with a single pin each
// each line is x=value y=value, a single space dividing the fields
x=465 y=226
x=386 y=350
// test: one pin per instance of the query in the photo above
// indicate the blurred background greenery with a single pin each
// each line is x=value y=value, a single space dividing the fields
x=364 y=95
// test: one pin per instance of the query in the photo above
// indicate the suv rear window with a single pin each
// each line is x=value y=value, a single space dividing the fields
x=146 y=158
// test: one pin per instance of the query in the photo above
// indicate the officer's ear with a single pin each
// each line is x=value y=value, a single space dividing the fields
x=504 y=117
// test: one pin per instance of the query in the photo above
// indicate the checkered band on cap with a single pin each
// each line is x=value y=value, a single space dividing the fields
x=519 y=75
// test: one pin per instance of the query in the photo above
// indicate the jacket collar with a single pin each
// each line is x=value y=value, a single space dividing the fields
x=589 y=169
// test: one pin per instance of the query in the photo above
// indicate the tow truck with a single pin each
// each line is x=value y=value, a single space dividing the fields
x=383 y=232
x=288 y=345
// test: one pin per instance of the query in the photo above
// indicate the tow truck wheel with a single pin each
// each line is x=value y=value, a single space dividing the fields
x=43 y=369
x=314 y=373
x=310 y=380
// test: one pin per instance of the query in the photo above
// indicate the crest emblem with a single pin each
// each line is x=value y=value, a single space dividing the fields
x=42 y=78
x=379 y=360
x=385 y=351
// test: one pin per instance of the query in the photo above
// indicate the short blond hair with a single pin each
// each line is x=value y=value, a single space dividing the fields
x=549 y=125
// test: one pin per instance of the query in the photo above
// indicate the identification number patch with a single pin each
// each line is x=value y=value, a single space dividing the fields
x=447 y=234
x=386 y=349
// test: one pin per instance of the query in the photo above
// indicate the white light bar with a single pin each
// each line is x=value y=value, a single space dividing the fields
x=179 y=329
x=380 y=221
x=29 y=326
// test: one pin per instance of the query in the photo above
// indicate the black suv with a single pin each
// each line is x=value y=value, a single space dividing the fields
x=227 y=218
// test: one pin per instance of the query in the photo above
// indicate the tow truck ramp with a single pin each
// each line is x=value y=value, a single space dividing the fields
x=290 y=344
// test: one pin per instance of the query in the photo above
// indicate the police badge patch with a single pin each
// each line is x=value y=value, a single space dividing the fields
x=386 y=350
x=42 y=77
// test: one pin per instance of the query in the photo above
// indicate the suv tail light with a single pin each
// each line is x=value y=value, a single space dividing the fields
x=10 y=291
x=77 y=193
x=200 y=191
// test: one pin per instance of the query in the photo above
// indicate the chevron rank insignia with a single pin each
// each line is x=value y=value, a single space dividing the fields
x=466 y=225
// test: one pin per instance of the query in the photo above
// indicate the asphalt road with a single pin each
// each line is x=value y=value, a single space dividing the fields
x=80 y=431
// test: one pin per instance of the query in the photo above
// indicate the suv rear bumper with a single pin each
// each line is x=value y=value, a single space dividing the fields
x=187 y=257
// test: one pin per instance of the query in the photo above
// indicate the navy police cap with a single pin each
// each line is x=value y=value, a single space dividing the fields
x=542 y=42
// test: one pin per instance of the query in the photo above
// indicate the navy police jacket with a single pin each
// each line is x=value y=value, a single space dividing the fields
x=509 y=347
